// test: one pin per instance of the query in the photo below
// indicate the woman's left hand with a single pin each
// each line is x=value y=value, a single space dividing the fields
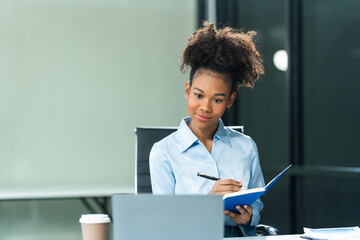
x=244 y=217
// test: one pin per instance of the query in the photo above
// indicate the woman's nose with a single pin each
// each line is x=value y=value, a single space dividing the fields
x=205 y=105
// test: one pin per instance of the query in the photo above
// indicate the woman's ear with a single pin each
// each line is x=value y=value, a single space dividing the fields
x=187 y=89
x=231 y=100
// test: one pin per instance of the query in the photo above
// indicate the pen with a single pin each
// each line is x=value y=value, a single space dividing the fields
x=211 y=177
x=207 y=176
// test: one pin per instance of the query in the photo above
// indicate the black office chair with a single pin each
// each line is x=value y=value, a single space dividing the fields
x=145 y=139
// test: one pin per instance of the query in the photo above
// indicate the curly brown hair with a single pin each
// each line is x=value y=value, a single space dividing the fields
x=225 y=51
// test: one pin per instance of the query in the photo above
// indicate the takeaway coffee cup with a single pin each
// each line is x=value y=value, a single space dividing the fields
x=94 y=226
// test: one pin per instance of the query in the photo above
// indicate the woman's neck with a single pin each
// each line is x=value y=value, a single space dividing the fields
x=204 y=135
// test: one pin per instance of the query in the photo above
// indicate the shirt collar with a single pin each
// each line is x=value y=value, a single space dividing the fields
x=187 y=137
x=222 y=133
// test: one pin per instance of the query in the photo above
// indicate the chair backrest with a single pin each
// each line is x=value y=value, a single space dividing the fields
x=145 y=139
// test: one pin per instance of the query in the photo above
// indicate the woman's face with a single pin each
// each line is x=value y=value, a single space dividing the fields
x=207 y=99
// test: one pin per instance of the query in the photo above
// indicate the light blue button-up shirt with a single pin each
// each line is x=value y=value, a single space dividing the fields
x=176 y=160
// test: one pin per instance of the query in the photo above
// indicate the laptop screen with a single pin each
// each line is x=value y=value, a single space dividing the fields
x=175 y=217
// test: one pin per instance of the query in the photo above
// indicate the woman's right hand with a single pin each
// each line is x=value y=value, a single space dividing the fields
x=224 y=186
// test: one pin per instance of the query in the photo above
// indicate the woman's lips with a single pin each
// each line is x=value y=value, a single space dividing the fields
x=202 y=118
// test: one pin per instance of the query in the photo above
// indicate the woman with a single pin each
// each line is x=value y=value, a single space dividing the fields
x=221 y=61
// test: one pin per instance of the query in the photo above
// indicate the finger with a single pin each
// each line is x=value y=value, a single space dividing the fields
x=230 y=214
x=226 y=188
x=241 y=209
x=248 y=209
x=230 y=182
x=236 y=217
x=230 y=188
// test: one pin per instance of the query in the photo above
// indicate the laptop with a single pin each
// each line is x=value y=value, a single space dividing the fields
x=175 y=217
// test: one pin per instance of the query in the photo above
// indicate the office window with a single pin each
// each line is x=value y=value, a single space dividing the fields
x=331 y=86
x=263 y=110
x=309 y=115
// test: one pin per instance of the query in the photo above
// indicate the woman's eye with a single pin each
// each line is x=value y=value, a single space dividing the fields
x=218 y=100
x=198 y=95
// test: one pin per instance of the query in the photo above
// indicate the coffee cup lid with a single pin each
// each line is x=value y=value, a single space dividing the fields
x=94 y=218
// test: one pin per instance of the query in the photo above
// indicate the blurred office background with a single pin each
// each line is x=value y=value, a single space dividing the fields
x=76 y=78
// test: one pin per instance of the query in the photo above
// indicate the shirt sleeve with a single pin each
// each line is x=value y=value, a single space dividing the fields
x=161 y=174
x=256 y=181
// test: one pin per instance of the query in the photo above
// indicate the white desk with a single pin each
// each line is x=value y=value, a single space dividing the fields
x=279 y=237
x=61 y=193
x=99 y=195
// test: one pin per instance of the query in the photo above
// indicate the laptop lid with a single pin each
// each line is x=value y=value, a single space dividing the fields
x=175 y=217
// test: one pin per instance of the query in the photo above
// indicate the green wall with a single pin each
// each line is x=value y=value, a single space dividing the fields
x=76 y=78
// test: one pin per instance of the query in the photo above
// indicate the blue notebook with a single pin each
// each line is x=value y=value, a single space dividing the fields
x=247 y=197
